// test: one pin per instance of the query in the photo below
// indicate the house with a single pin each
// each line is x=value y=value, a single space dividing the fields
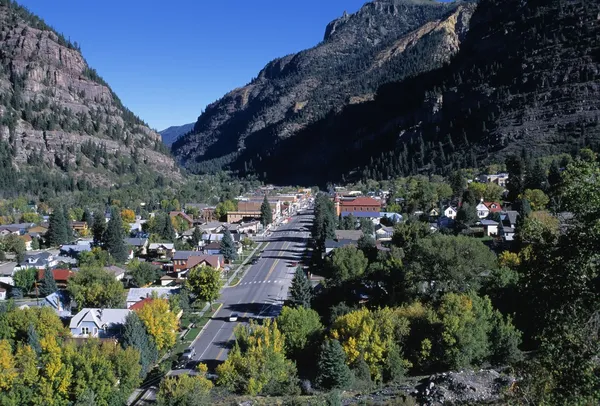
x=490 y=227
x=98 y=323
x=74 y=250
x=61 y=276
x=137 y=294
x=249 y=210
x=39 y=230
x=508 y=225
x=119 y=273
x=384 y=233
x=60 y=302
x=214 y=248
x=161 y=250
x=450 y=212
x=27 y=240
x=141 y=303
x=139 y=245
x=7 y=230
x=359 y=206
x=79 y=227
x=331 y=245
x=2 y=294
x=391 y=217
x=168 y=280
x=205 y=211
x=211 y=227
x=434 y=212
x=500 y=179
x=484 y=209
x=353 y=235
x=186 y=260
x=39 y=260
x=182 y=216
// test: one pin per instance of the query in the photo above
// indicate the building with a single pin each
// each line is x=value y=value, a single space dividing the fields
x=61 y=276
x=161 y=250
x=119 y=273
x=74 y=250
x=27 y=240
x=139 y=245
x=139 y=305
x=484 y=209
x=40 y=260
x=183 y=261
x=213 y=248
x=2 y=294
x=490 y=227
x=249 y=210
x=60 y=302
x=384 y=233
x=500 y=179
x=138 y=294
x=79 y=226
x=357 y=206
x=331 y=245
x=450 y=212
x=98 y=323
x=508 y=225
x=183 y=217
x=353 y=235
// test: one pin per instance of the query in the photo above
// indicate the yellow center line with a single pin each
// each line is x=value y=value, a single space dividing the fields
x=276 y=261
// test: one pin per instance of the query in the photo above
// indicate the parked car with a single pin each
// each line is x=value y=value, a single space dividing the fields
x=188 y=353
x=254 y=261
x=233 y=317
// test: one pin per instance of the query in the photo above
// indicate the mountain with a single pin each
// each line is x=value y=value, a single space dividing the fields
x=171 y=134
x=61 y=126
x=524 y=77
x=385 y=41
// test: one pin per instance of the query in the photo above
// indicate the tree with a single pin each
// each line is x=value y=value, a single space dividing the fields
x=516 y=173
x=205 y=282
x=56 y=234
x=536 y=178
x=324 y=224
x=257 y=363
x=196 y=237
x=266 y=214
x=301 y=328
x=98 y=227
x=160 y=322
x=114 y=237
x=301 y=292
x=168 y=232
x=536 y=198
x=345 y=263
x=48 y=284
x=128 y=216
x=33 y=340
x=142 y=273
x=25 y=278
x=185 y=390
x=466 y=216
x=333 y=372
x=366 y=226
x=67 y=224
x=366 y=243
x=228 y=249
x=223 y=208
x=88 y=218
x=8 y=370
x=14 y=243
x=97 y=288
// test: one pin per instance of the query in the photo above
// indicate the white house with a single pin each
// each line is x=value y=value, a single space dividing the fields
x=485 y=208
x=98 y=323
x=490 y=227
x=2 y=294
x=138 y=294
x=450 y=212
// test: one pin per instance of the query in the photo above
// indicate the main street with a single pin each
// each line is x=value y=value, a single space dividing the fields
x=260 y=294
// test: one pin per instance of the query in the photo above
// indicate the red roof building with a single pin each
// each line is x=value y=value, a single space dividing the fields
x=356 y=205
x=140 y=304
x=61 y=276
x=494 y=207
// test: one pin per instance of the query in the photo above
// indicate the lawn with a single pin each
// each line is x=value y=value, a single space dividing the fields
x=194 y=331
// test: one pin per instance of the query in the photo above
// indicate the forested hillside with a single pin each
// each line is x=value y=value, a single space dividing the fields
x=61 y=126
x=385 y=41
x=526 y=77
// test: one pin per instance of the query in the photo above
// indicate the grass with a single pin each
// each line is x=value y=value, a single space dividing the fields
x=191 y=335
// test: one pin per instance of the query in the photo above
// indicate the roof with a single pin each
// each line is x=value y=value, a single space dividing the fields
x=60 y=302
x=186 y=254
x=136 y=242
x=348 y=234
x=199 y=206
x=215 y=245
x=101 y=317
x=141 y=303
x=360 y=201
x=181 y=214
x=488 y=223
x=496 y=209
x=362 y=214
x=165 y=245
x=115 y=270
x=211 y=260
x=137 y=294
x=332 y=244
x=59 y=274
x=510 y=215
x=77 y=248
x=26 y=237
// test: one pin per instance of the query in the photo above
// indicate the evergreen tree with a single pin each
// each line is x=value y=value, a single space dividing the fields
x=98 y=227
x=168 y=232
x=366 y=226
x=536 y=178
x=113 y=237
x=301 y=291
x=457 y=183
x=469 y=198
x=56 y=234
x=67 y=224
x=87 y=217
x=196 y=237
x=553 y=176
x=466 y=217
x=48 y=284
x=333 y=373
x=228 y=247
x=33 y=340
x=135 y=335
x=266 y=214
x=87 y=398
x=516 y=172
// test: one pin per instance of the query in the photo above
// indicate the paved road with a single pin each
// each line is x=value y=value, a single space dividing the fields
x=260 y=293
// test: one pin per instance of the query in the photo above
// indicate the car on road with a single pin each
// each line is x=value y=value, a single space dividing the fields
x=233 y=317
x=294 y=263
x=188 y=353
x=254 y=261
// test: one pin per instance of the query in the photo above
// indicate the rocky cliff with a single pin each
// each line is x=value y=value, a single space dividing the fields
x=58 y=116
x=386 y=40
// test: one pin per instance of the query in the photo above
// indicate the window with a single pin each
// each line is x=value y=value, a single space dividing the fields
x=85 y=330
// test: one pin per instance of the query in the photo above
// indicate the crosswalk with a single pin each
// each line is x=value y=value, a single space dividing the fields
x=259 y=282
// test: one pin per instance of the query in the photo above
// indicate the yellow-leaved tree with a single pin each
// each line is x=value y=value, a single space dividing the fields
x=55 y=375
x=27 y=361
x=160 y=322
x=8 y=372
x=186 y=389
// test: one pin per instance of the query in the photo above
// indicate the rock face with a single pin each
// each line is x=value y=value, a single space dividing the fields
x=172 y=134
x=386 y=40
x=60 y=117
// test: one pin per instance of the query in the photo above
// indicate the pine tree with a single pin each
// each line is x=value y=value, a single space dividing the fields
x=301 y=291
x=196 y=237
x=135 y=335
x=554 y=175
x=266 y=214
x=33 y=340
x=113 y=237
x=333 y=373
x=48 y=284
x=98 y=227
x=228 y=247
x=56 y=234
x=516 y=172
x=536 y=178
x=87 y=217
x=168 y=232
x=87 y=398
x=67 y=224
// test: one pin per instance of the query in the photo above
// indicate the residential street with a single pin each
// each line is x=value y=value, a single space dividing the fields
x=259 y=294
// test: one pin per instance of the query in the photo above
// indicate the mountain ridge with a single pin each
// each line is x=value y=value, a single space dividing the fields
x=171 y=134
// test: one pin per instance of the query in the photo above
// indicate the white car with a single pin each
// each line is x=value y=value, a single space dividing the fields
x=233 y=317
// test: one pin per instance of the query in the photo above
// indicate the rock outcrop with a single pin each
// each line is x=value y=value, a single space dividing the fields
x=59 y=115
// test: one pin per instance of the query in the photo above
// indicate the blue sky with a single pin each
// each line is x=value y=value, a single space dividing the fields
x=167 y=60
